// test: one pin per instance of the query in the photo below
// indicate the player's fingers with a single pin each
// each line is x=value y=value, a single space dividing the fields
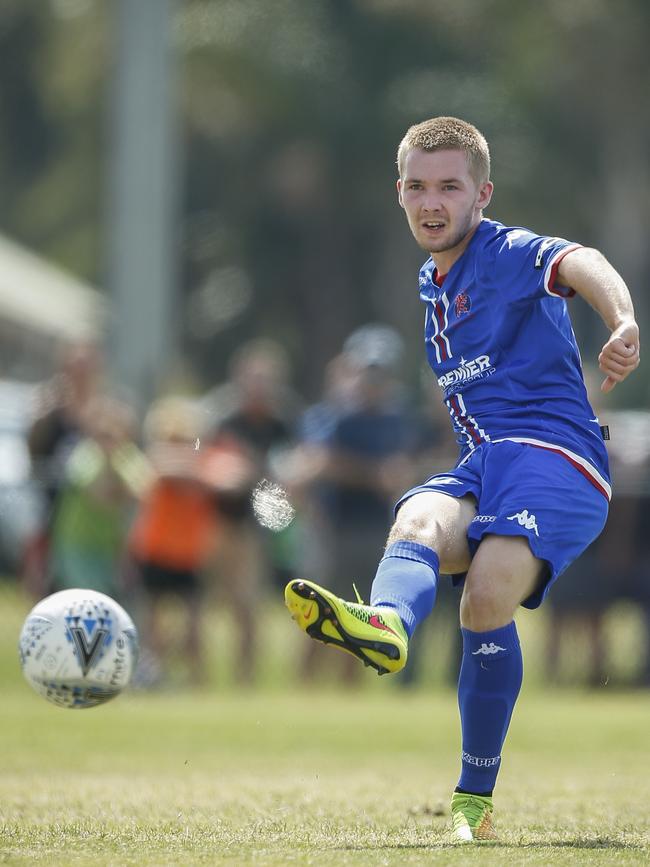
x=616 y=352
x=625 y=360
x=608 y=365
x=607 y=356
x=621 y=347
x=611 y=367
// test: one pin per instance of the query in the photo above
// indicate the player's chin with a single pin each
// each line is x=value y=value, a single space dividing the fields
x=433 y=245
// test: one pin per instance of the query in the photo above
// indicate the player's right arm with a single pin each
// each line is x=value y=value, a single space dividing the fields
x=588 y=272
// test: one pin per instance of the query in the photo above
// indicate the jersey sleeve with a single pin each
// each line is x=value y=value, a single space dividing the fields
x=526 y=265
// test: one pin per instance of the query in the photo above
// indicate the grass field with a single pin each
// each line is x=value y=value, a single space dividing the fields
x=289 y=775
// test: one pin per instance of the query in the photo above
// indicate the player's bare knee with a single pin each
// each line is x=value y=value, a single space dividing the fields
x=422 y=520
x=483 y=608
x=503 y=573
x=414 y=525
x=439 y=522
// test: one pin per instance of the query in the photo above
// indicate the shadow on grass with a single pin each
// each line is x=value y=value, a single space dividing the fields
x=596 y=843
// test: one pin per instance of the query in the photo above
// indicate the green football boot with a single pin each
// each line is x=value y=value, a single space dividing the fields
x=471 y=818
x=375 y=635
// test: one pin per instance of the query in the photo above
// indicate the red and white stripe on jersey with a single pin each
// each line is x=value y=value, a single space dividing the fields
x=581 y=464
x=440 y=321
x=550 y=274
x=465 y=422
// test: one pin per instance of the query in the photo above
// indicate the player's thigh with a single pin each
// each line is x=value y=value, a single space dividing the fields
x=537 y=514
x=503 y=573
x=439 y=521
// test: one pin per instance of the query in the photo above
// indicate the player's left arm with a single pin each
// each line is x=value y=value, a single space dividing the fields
x=589 y=273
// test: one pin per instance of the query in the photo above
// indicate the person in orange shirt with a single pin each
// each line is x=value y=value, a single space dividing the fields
x=175 y=531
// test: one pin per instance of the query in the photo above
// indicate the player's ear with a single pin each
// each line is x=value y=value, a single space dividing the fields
x=484 y=194
x=399 y=192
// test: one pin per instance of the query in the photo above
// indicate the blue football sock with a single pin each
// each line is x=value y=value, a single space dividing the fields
x=406 y=580
x=490 y=678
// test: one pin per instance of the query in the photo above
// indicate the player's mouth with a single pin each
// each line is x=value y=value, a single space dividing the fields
x=433 y=227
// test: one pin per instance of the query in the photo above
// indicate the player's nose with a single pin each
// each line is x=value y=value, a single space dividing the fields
x=431 y=203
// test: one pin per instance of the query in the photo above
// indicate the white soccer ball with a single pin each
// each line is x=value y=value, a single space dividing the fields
x=78 y=648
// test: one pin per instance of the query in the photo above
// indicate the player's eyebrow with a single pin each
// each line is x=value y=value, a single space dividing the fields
x=409 y=180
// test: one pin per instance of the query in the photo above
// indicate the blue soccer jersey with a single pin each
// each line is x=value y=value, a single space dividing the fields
x=500 y=342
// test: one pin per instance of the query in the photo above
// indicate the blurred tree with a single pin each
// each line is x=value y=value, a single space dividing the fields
x=24 y=141
x=52 y=68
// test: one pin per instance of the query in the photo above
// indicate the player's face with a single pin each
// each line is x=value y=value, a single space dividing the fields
x=442 y=201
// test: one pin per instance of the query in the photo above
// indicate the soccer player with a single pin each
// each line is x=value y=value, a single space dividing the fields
x=531 y=488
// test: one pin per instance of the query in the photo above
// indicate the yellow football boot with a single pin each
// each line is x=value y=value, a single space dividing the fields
x=375 y=635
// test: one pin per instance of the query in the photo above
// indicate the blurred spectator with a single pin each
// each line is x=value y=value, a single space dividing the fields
x=356 y=457
x=59 y=423
x=304 y=471
x=236 y=569
x=638 y=571
x=624 y=552
x=103 y=476
x=173 y=534
x=256 y=406
x=256 y=409
x=615 y=566
x=251 y=420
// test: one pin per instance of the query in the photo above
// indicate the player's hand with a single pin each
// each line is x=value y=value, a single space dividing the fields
x=620 y=355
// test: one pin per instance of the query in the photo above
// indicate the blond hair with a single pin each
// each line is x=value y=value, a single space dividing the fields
x=448 y=133
x=172 y=418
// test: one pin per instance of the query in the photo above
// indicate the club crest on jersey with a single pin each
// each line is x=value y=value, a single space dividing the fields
x=462 y=304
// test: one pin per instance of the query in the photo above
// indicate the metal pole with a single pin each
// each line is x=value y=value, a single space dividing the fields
x=142 y=199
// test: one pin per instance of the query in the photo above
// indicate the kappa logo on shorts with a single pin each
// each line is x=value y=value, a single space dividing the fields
x=484 y=519
x=525 y=520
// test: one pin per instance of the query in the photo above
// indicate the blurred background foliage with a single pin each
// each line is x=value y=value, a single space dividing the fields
x=291 y=112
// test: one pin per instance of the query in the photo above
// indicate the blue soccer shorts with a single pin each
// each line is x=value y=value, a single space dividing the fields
x=522 y=490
